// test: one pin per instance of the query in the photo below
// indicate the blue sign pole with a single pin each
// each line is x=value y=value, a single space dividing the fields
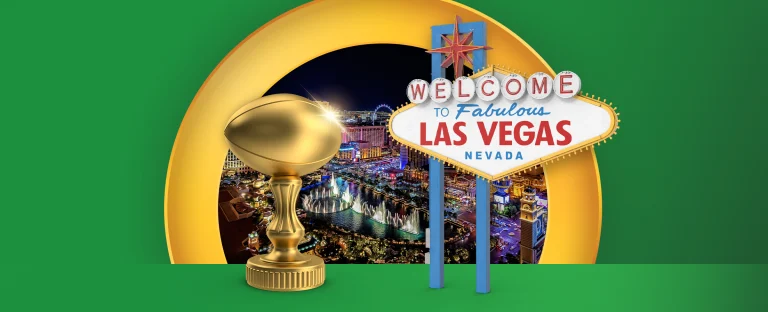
x=436 y=191
x=483 y=235
x=437 y=175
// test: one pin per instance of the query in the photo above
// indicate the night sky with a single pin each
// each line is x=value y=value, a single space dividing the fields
x=360 y=77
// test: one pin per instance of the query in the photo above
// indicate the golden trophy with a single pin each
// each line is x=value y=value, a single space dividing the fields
x=284 y=136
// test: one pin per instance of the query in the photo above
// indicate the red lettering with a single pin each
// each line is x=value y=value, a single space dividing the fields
x=519 y=87
x=530 y=135
x=545 y=134
x=424 y=141
x=461 y=94
x=504 y=132
x=563 y=84
x=561 y=130
x=438 y=90
x=541 y=87
x=442 y=134
x=487 y=134
x=482 y=88
x=418 y=90
x=457 y=129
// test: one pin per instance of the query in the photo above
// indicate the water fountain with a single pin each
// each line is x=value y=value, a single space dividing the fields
x=412 y=224
x=357 y=206
x=380 y=214
x=407 y=223
x=334 y=187
x=308 y=203
x=330 y=199
x=327 y=199
x=347 y=197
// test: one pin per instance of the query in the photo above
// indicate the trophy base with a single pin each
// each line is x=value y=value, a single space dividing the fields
x=285 y=277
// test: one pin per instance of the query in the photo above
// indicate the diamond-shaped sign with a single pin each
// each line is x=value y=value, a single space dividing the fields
x=500 y=137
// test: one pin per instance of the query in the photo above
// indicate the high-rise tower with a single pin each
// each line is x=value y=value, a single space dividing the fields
x=531 y=227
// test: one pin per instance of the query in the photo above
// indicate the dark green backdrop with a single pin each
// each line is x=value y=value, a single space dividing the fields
x=94 y=91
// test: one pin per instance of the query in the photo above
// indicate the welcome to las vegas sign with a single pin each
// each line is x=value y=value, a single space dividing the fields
x=497 y=123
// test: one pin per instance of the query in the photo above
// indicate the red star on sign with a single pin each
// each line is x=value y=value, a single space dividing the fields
x=456 y=50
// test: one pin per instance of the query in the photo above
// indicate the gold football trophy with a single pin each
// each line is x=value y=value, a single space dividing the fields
x=284 y=136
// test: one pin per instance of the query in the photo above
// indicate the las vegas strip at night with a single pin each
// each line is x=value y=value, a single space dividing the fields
x=369 y=204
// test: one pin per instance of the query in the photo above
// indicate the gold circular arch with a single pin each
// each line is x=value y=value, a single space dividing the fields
x=317 y=28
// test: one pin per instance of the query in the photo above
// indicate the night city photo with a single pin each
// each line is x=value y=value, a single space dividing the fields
x=369 y=204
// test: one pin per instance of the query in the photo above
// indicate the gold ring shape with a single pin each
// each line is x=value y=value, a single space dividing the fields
x=317 y=28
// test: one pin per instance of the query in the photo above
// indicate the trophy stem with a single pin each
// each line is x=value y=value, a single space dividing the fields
x=285 y=268
x=285 y=231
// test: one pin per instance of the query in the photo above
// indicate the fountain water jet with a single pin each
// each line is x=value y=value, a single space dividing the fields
x=329 y=199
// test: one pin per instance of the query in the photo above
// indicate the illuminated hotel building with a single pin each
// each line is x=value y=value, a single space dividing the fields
x=415 y=174
x=403 y=156
x=520 y=183
x=417 y=160
x=501 y=197
x=375 y=135
x=517 y=190
x=232 y=163
x=460 y=185
x=346 y=151
x=365 y=150
x=412 y=158
x=355 y=116
x=531 y=227
x=359 y=150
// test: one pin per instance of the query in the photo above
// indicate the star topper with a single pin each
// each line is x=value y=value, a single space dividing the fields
x=457 y=49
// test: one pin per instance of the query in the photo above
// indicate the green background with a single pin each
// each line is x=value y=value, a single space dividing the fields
x=93 y=93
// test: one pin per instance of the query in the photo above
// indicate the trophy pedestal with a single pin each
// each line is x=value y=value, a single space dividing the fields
x=305 y=274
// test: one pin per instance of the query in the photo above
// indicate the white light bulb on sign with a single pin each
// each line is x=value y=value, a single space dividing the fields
x=418 y=91
x=567 y=84
x=440 y=90
x=539 y=85
x=488 y=88
x=513 y=87
x=463 y=89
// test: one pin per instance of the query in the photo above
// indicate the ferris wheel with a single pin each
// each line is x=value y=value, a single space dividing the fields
x=382 y=106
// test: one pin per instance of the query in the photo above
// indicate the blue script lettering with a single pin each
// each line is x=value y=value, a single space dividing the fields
x=490 y=111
